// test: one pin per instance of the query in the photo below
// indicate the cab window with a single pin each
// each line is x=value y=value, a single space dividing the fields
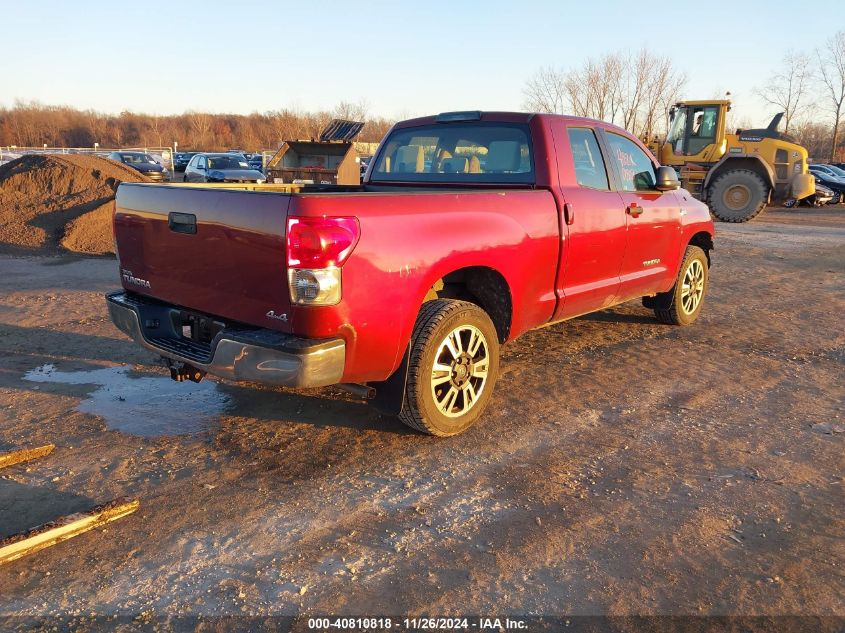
x=590 y=170
x=472 y=152
x=635 y=168
x=702 y=129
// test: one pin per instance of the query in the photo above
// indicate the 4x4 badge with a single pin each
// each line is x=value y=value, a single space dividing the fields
x=278 y=317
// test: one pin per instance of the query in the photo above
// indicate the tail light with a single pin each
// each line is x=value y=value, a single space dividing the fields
x=316 y=249
x=114 y=228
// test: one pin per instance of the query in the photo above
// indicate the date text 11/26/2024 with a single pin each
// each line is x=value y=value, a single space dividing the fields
x=418 y=624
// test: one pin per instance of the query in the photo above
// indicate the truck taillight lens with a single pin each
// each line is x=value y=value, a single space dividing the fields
x=114 y=228
x=321 y=242
x=316 y=249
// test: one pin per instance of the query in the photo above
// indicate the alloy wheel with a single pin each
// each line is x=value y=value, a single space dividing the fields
x=460 y=370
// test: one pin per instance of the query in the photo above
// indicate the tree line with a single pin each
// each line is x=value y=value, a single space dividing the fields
x=635 y=91
x=30 y=124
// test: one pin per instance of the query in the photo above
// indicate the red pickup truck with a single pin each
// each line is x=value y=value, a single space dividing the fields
x=469 y=229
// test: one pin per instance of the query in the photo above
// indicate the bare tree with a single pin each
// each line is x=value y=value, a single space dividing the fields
x=546 y=92
x=633 y=91
x=200 y=126
x=832 y=64
x=787 y=88
x=351 y=111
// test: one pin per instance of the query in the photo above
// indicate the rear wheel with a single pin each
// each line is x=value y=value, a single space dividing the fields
x=737 y=195
x=687 y=297
x=452 y=368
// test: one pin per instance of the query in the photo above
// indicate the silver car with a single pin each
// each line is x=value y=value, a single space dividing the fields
x=221 y=168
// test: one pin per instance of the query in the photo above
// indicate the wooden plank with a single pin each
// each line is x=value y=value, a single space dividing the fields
x=18 y=545
x=247 y=186
x=24 y=455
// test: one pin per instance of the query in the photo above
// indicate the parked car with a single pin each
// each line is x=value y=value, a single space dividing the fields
x=830 y=181
x=142 y=162
x=182 y=159
x=405 y=294
x=821 y=197
x=833 y=170
x=256 y=162
x=221 y=168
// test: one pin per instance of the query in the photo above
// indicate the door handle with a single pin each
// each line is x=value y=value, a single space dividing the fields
x=568 y=213
x=182 y=223
x=634 y=210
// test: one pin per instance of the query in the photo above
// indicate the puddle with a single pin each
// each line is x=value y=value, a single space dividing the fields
x=147 y=405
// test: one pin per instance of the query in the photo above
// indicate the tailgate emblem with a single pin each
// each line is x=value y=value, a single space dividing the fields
x=278 y=317
x=129 y=278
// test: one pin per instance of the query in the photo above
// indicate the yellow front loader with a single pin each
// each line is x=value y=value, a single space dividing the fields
x=737 y=175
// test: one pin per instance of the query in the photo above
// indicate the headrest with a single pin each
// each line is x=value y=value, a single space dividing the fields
x=503 y=156
x=409 y=158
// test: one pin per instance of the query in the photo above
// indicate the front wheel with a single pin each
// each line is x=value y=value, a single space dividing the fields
x=687 y=296
x=452 y=368
x=737 y=195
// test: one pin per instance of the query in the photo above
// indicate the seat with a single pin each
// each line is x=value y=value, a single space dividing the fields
x=437 y=165
x=457 y=165
x=409 y=159
x=503 y=156
x=474 y=165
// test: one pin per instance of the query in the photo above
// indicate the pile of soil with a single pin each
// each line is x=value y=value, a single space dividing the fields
x=59 y=201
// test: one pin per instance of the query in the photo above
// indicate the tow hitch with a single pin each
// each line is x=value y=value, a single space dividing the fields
x=180 y=372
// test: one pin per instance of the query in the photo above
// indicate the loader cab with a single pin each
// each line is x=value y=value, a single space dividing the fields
x=696 y=133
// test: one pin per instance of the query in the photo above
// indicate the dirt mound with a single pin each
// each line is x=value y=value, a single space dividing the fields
x=48 y=202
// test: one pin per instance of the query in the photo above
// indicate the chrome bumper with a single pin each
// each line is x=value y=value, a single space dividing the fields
x=256 y=355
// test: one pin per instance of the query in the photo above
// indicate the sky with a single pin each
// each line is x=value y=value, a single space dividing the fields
x=400 y=58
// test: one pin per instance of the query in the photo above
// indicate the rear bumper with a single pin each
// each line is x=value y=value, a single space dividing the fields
x=236 y=352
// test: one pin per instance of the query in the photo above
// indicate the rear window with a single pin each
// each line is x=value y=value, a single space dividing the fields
x=457 y=153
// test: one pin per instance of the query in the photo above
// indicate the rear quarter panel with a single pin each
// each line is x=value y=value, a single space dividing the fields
x=409 y=241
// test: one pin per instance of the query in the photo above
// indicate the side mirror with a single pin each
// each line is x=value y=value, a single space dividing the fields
x=667 y=179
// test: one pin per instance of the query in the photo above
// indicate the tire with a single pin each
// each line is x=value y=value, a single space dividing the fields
x=737 y=195
x=684 y=308
x=440 y=402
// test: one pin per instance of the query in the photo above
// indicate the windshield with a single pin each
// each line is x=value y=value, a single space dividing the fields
x=840 y=173
x=227 y=162
x=457 y=153
x=137 y=159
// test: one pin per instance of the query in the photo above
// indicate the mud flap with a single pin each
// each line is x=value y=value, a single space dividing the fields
x=660 y=301
x=390 y=393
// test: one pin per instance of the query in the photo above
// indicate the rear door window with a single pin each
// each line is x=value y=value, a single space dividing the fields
x=590 y=170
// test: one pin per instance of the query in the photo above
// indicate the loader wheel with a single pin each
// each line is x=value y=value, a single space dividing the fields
x=452 y=368
x=738 y=195
x=687 y=296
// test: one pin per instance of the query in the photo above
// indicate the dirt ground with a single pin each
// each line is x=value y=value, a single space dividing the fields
x=624 y=467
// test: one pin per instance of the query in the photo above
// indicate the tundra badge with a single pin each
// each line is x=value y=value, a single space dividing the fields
x=278 y=317
x=129 y=278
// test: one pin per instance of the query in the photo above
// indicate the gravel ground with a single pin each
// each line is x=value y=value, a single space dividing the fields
x=624 y=467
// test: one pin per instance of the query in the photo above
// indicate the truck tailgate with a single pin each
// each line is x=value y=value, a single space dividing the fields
x=214 y=251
